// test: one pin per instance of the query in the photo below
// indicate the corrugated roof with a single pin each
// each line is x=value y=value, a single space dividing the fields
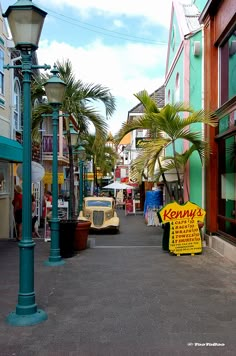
x=159 y=97
x=192 y=14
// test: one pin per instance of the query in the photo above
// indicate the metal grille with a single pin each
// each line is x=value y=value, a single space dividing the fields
x=98 y=217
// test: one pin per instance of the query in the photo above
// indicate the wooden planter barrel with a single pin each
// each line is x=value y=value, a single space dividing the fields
x=81 y=235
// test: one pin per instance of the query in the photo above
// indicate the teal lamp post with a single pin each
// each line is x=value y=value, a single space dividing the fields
x=55 y=90
x=82 y=156
x=73 y=135
x=26 y=21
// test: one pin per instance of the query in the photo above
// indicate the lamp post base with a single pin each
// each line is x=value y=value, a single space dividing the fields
x=26 y=320
x=55 y=255
x=56 y=262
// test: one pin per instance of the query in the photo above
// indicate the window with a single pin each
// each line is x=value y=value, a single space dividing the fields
x=4 y=178
x=17 y=116
x=172 y=41
x=168 y=97
x=1 y=72
x=228 y=69
x=227 y=187
x=177 y=89
x=139 y=133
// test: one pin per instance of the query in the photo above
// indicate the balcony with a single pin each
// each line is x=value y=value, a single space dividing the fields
x=47 y=146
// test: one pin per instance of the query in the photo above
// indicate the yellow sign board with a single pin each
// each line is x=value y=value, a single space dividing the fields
x=184 y=237
x=47 y=179
x=90 y=176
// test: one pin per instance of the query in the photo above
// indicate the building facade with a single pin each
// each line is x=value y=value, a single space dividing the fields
x=10 y=150
x=219 y=21
x=184 y=83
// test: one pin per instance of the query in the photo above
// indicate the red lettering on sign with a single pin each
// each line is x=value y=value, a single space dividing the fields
x=173 y=214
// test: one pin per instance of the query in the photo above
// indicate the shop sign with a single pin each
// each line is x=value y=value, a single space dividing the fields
x=184 y=237
x=140 y=140
x=48 y=178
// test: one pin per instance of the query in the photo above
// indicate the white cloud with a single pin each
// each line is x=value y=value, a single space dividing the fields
x=120 y=68
x=124 y=68
x=153 y=10
x=118 y=23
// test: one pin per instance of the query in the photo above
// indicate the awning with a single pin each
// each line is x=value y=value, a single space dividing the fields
x=10 y=150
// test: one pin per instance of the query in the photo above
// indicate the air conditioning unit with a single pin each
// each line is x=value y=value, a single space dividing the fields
x=196 y=48
x=232 y=48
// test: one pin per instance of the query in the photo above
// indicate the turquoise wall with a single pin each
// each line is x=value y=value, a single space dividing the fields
x=195 y=96
x=170 y=85
x=195 y=92
x=200 y=4
x=175 y=41
x=232 y=70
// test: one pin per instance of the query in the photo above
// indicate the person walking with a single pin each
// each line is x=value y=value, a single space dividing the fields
x=47 y=212
x=34 y=218
x=17 y=205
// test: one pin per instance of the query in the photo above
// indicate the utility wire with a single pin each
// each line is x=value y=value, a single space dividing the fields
x=123 y=36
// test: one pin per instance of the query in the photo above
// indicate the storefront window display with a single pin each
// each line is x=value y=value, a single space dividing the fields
x=228 y=69
x=226 y=138
x=4 y=178
x=227 y=186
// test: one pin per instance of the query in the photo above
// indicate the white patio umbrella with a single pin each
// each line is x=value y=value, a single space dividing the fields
x=118 y=185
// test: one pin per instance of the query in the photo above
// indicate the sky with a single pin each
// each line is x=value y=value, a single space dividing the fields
x=121 y=45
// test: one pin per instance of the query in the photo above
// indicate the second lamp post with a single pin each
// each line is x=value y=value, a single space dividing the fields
x=82 y=156
x=55 y=90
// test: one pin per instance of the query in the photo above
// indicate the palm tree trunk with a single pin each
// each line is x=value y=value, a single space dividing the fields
x=164 y=177
x=180 y=192
x=94 y=176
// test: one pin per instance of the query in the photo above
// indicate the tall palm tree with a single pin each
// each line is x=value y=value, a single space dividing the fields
x=166 y=126
x=80 y=102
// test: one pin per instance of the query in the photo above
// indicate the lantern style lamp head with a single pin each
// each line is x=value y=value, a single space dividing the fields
x=55 y=88
x=81 y=153
x=26 y=22
x=73 y=135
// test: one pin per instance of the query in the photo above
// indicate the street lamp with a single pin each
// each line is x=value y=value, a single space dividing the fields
x=73 y=135
x=82 y=156
x=26 y=22
x=55 y=90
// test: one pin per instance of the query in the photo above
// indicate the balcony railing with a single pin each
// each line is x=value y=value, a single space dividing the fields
x=47 y=146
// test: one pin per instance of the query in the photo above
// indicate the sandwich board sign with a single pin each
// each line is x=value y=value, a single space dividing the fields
x=184 y=236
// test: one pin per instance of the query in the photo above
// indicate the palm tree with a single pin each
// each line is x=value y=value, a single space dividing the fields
x=80 y=103
x=166 y=127
x=102 y=155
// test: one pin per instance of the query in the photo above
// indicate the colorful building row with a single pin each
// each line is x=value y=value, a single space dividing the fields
x=201 y=72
